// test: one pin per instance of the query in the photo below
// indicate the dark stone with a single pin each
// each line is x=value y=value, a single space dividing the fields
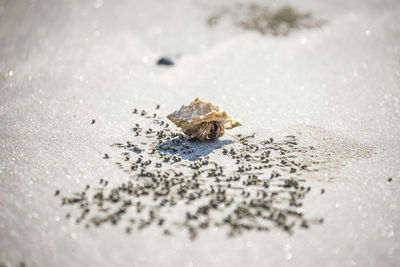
x=165 y=61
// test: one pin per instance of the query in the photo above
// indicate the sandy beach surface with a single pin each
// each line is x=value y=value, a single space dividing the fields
x=325 y=72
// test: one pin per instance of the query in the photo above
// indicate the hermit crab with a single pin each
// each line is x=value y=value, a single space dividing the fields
x=202 y=120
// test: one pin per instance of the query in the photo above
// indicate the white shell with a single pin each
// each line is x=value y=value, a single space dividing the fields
x=190 y=117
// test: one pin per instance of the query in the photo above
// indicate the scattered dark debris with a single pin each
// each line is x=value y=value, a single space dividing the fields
x=390 y=179
x=93 y=122
x=165 y=61
x=57 y=192
x=174 y=175
x=106 y=156
x=267 y=21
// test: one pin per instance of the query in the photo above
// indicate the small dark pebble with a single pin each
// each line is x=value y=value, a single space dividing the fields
x=93 y=122
x=165 y=61
x=167 y=232
x=390 y=179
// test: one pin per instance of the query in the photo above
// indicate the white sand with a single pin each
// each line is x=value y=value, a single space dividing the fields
x=64 y=63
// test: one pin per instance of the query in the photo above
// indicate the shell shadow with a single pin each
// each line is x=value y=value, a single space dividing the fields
x=189 y=150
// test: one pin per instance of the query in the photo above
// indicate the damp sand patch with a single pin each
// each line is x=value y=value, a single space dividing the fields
x=242 y=183
x=265 y=19
x=333 y=151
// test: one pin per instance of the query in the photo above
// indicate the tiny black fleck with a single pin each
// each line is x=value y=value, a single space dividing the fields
x=165 y=61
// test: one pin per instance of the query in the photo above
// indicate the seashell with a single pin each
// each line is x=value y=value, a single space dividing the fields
x=202 y=120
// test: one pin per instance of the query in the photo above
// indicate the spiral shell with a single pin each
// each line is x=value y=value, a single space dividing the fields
x=190 y=118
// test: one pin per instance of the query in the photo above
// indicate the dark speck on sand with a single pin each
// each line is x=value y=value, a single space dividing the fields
x=165 y=61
